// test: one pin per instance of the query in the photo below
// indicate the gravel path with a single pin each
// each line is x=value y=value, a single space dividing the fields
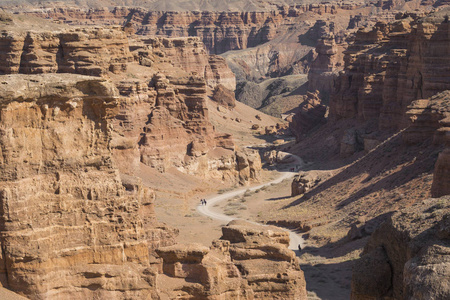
x=212 y=200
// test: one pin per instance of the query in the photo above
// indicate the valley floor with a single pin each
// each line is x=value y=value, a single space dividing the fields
x=327 y=268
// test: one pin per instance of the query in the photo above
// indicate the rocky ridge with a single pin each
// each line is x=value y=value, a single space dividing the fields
x=91 y=52
x=248 y=262
x=70 y=140
x=392 y=94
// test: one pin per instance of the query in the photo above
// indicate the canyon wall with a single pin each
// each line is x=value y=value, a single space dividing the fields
x=391 y=65
x=70 y=228
x=395 y=79
x=75 y=221
x=429 y=118
x=387 y=69
x=163 y=123
x=219 y=31
x=81 y=51
x=408 y=256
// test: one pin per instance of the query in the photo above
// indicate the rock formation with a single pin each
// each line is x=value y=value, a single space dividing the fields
x=81 y=51
x=224 y=96
x=391 y=65
x=305 y=181
x=309 y=115
x=324 y=69
x=190 y=55
x=219 y=31
x=248 y=165
x=430 y=118
x=442 y=170
x=163 y=122
x=71 y=228
x=408 y=256
x=248 y=262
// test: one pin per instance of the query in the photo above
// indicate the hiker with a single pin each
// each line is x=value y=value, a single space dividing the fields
x=204 y=200
x=299 y=247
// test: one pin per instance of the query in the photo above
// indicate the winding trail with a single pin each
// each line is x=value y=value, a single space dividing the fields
x=215 y=199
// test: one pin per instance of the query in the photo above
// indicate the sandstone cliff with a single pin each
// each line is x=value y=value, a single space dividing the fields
x=408 y=256
x=71 y=228
x=219 y=31
x=163 y=122
x=309 y=115
x=248 y=262
x=389 y=66
x=81 y=51
x=429 y=118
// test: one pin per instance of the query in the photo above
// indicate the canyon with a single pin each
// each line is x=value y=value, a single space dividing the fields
x=115 y=122
x=86 y=105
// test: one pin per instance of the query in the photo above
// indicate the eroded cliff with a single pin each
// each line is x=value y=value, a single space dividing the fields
x=391 y=65
x=248 y=262
x=408 y=256
x=429 y=119
x=70 y=226
x=220 y=31
x=163 y=123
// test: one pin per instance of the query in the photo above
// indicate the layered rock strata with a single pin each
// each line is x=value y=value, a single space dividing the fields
x=309 y=115
x=168 y=119
x=324 y=68
x=190 y=55
x=248 y=262
x=408 y=257
x=219 y=31
x=167 y=126
x=430 y=118
x=163 y=121
x=81 y=51
x=71 y=228
x=391 y=65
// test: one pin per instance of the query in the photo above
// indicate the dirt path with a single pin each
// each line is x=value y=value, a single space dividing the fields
x=215 y=199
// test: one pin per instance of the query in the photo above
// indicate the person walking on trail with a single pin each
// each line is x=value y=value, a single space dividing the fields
x=204 y=200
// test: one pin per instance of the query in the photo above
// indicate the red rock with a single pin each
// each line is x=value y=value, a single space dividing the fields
x=219 y=31
x=408 y=60
x=70 y=222
x=406 y=257
x=224 y=96
x=310 y=114
x=430 y=118
x=248 y=262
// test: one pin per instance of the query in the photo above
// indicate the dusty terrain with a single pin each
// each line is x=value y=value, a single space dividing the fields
x=120 y=159
x=327 y=268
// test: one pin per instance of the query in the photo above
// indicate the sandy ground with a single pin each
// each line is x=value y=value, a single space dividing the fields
x=6 y=294
x=327 y=268
x=226 y=217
